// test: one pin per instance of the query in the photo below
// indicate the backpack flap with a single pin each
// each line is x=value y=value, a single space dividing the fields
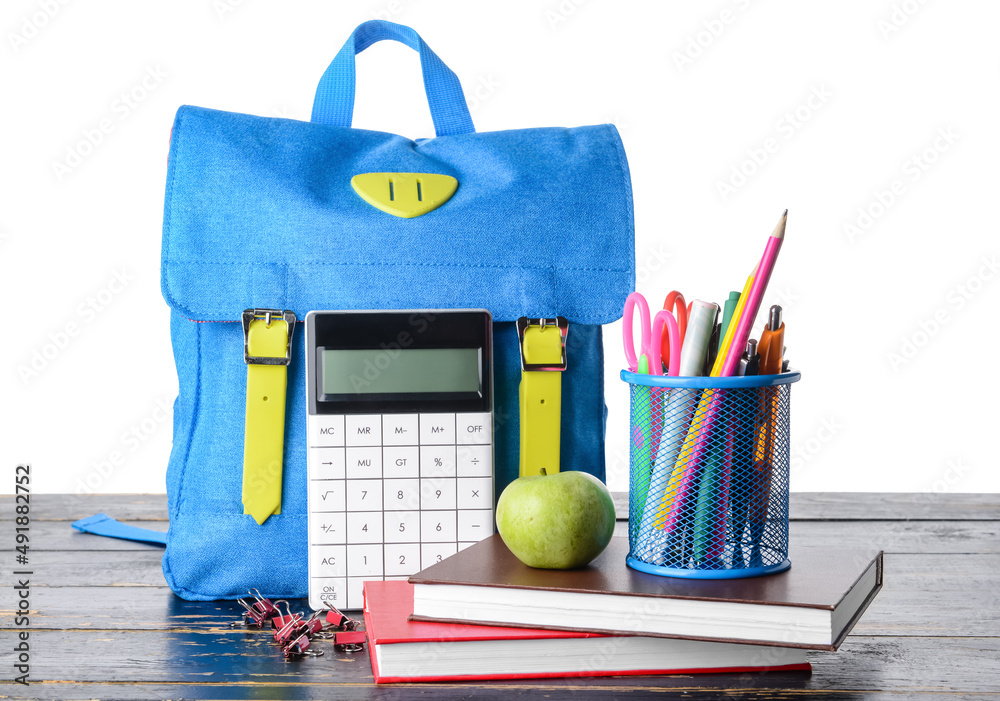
x=262 y=211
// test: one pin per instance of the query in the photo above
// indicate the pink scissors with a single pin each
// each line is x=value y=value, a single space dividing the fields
x=649 y=362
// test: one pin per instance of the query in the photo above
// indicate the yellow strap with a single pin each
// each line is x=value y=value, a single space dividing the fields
x=264 y=436
x=541 y=402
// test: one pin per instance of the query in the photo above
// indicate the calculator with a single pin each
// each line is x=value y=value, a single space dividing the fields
x=400 y=444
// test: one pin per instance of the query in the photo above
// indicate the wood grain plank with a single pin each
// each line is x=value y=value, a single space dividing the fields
x=882 y=506
x=893 y=506
x=334 y=692
x=94 y=568
x=150 y=657
x=60 y=535
x=224 y=692
x=923 y=595
x=72 y=507
x=935 y=595
x=913 y=537
x=891 y=536
x=860 y=506
x=803 y=506
x=959 y=537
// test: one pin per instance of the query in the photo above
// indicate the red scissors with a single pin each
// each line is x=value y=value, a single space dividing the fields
x=675 y=302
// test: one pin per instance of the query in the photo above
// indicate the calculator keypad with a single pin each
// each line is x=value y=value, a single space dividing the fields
x=392 y=494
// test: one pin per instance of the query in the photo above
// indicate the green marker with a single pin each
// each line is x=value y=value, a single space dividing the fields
x=727 y=312
x=642 y=442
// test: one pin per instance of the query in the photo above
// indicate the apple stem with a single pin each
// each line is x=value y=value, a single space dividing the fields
x=542 y=471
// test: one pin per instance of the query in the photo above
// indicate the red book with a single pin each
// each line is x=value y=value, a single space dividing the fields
x=410 y=651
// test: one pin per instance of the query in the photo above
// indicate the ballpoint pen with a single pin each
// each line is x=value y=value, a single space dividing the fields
x=771 y=350
x=750 y=361
x=772 y=342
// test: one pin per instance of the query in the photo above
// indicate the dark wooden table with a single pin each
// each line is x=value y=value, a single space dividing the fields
x=104 y=625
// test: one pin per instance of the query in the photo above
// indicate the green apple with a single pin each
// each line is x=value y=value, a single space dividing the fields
x=558 y=521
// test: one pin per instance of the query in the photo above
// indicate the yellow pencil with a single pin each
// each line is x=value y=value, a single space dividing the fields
x=731 y=331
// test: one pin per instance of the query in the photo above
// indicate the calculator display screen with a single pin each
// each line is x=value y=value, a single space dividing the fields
x=399 y=362
x=400 y=370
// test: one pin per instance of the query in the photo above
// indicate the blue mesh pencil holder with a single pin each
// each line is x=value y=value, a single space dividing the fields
x=708 y=495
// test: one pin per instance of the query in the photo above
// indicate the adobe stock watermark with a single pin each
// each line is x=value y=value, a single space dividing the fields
x=559 y=13
x=389 y=352
x=224 y=8
x=119 y=111
x=129 y=442
x=32 y=24
x=392 y=10
x=932 y=324
x=652 y=262
x=899 y=14
x=913 y=169
x=57 y=341
x=954 y=472
x=286 y=112
x=620 y=465
x=621 y=122
x=480 y=91
x=803 y=453
x=784 y=297
x=710 y=32
x=785 y=128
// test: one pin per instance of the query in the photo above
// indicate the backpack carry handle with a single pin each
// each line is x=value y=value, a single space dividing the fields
x=334 y=102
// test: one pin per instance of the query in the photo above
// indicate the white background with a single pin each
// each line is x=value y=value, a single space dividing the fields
x=893 y=325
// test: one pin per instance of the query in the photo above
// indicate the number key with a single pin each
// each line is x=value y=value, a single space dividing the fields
x=437 y=493
x=438 y=526
x=365 y=527
x=364 y=495
x=402 y=559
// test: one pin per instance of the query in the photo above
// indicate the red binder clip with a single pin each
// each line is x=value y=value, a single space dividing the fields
x=260 y=611
x=294 y=625
x=350 y=641
x=313 y=627
x=300 y=647
x=338 y=620
x=289 y=627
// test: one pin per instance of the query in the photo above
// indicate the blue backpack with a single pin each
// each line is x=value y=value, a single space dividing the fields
x=260 y=213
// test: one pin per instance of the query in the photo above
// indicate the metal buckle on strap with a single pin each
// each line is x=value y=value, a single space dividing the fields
x=267 y=315
x=560 y=323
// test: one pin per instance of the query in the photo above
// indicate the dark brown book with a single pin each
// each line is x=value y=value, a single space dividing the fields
x=812 y=605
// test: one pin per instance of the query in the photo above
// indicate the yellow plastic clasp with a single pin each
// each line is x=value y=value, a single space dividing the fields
x=405 y=195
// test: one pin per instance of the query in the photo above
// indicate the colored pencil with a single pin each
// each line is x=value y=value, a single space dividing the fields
x=752 y=306
x=727 y=339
